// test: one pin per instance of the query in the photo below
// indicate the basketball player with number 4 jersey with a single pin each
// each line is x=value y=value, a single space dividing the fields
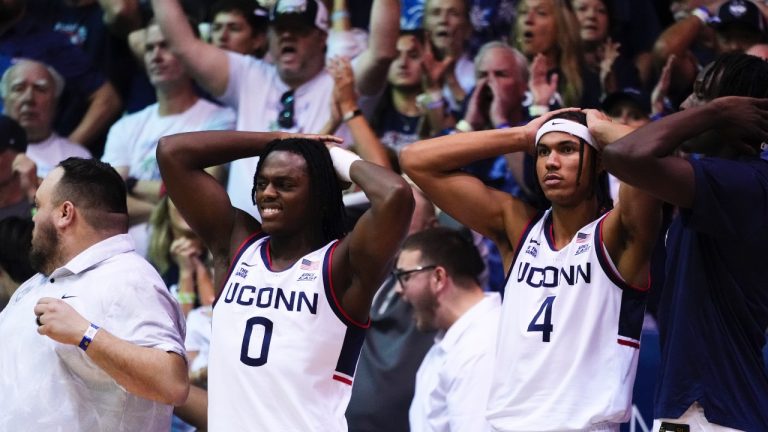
x=296 y=291
x=575 y=293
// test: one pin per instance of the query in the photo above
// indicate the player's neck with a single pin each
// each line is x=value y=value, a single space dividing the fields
x=566 y=221
x=284 y=250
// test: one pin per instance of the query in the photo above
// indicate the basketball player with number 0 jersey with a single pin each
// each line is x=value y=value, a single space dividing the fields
x=574 y=299
x=296 y=291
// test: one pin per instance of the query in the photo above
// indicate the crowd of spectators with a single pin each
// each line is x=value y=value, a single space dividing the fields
x=107 y=79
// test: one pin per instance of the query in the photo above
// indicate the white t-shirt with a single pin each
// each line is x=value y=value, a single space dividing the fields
x=454 y=379
x=254 y=90
x=46 y=385
x=54 y=149
x=132 y=143
x=199 y=336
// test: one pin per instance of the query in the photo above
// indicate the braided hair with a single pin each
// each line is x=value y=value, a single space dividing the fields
x=734 y=74
x=324 y=186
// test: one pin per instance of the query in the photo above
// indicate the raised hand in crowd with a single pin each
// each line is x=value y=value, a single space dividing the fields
x=438 y=73
x=345 y=109
x=489 y=105
x=195 y=279
x=27 y=172
x=542 y=87
x=661 y=89
x=609 y=52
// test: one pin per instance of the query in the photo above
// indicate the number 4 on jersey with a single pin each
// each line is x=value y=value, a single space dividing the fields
x=546 y=327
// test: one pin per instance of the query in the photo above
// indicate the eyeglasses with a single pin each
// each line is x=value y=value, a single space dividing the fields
x=404 y=275
x=285 y=117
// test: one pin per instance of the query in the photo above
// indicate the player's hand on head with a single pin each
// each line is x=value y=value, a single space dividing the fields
x=59 y=321
x=533 y=126
x=595 y=118
x=328 y=140
x=600 y=126
x=744 y=120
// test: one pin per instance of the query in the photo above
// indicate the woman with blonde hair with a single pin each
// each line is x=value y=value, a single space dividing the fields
x=547 y=32
x=180 y=257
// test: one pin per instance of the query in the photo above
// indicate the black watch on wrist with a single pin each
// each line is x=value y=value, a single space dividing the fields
x=130 y=184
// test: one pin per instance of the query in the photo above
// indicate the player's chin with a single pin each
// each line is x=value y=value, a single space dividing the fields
x=271 y=226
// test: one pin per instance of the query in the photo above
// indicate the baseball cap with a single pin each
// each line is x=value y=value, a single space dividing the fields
x=12 y=135
x=626 y=96
x=743 y=13
x=309 y=12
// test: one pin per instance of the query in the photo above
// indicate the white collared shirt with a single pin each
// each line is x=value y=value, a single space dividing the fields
x=454 y=379
x=46 y=385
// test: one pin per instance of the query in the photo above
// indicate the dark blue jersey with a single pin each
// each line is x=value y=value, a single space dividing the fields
x=713 y=312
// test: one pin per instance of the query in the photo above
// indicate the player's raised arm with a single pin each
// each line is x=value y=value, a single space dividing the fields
x=631 y=230
x=363 y=257
x=435 y=166
x=201 y=199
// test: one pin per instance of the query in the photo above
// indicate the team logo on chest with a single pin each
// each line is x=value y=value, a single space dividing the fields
x=242 y=272
x=532 y=250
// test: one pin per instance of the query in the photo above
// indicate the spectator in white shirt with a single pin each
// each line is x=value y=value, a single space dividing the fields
x=437 y=273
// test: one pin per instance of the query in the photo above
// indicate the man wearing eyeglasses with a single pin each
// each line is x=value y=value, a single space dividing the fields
x=437 y=273
x=295 y=92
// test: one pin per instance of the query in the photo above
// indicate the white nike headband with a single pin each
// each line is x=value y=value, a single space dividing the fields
x=567 y=126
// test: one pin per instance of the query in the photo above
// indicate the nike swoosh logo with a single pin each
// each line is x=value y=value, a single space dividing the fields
x=248 y=265
x=556 y=123
x=67 y=296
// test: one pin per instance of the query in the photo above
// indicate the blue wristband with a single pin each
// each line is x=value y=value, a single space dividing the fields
x=90 y=333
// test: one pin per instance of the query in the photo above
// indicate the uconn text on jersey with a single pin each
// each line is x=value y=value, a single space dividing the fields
x=269 y=297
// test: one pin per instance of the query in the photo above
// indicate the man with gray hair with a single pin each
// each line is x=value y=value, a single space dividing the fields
x=496 y=102
x=30 y=92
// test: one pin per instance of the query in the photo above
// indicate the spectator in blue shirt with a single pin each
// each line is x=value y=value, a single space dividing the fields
x=713 y=310
x=24 y=36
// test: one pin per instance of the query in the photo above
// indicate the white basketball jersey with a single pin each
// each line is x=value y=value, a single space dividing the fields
x=283 y=352
x=569 y=336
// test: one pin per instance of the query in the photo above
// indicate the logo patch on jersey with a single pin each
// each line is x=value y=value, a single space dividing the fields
x=309 y=265
x=582 y=237
x=531 y=250
x=582 y=248
x=242 y=272
x=308 y=277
